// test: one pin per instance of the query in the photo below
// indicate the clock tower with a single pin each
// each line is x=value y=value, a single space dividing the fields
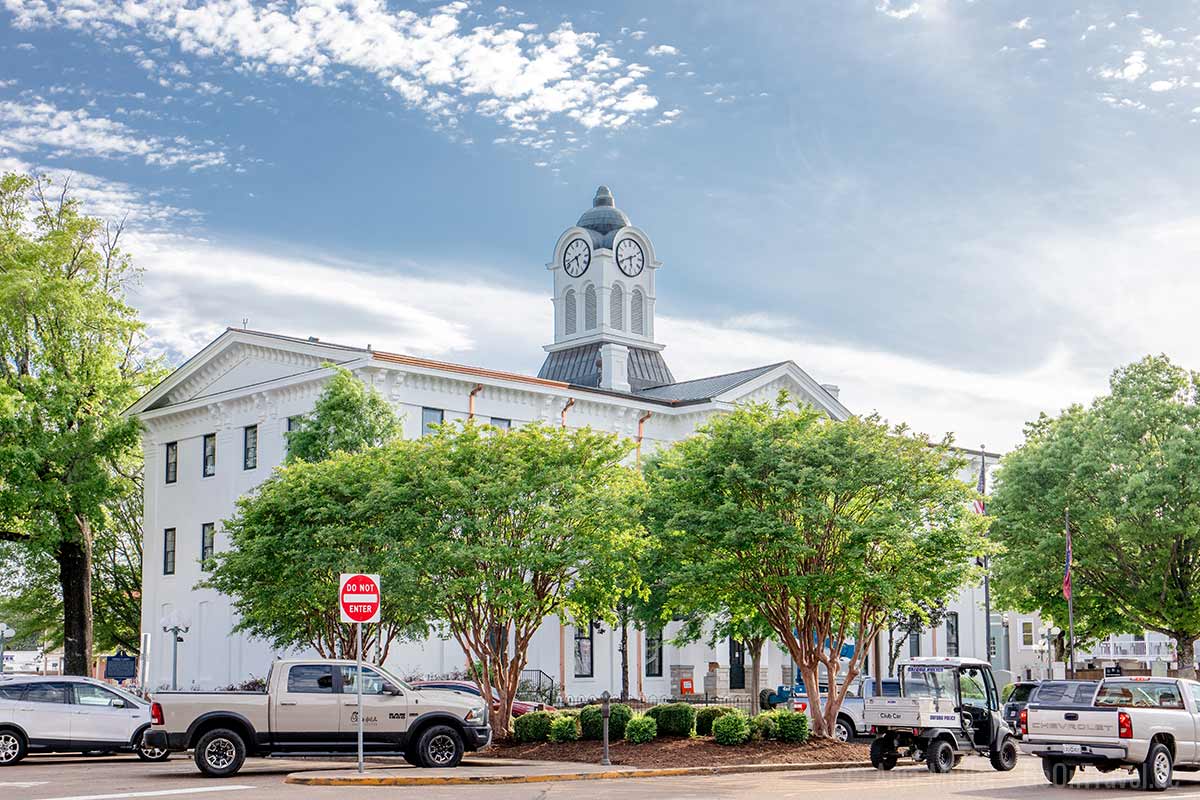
x=603 y=268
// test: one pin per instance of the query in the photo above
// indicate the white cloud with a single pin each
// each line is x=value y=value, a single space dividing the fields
x=39 y=126
x=1038 y=44
x=885 y=7
x=1022 y=24
x=637 y=35
x=1162 y=86
x=662 y=50
x=1133 y=68
x=435 y=65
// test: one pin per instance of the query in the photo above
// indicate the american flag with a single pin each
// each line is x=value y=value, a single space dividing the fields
x=979 y=506
x=1067 y=567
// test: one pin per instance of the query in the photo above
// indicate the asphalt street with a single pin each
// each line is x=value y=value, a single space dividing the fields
x=74 y=778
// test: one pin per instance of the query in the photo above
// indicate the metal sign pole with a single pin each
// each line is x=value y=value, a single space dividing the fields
x=359 y=679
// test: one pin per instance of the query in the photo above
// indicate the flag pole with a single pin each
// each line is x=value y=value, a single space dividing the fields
x=1070 y=594
x=987 y=567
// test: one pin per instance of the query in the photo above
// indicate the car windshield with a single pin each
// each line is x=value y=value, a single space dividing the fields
x=1019 y=692
x=1063 y=692
x=935 y=682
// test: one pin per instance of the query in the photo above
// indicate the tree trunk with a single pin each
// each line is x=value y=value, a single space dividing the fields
x=624 y=660
x=1187 y=656
x=75 y=577
x=756 y=648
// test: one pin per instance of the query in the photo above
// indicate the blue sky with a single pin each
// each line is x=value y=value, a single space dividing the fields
x=963 y=213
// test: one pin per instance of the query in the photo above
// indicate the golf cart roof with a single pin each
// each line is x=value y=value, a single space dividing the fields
x=945 y=662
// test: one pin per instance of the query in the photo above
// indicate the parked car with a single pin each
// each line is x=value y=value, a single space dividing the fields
x=308 y=706
x=66 y=714
x=1016 y=697
x=1141 y=724
x=519 y=707
x=850 y=722
x=1064 y=692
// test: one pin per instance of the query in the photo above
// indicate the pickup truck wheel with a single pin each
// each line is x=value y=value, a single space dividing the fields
x=220 y=753
x=412 y=758
x=1154 y=774
x=843 y=729
x=12 y=748
x=883 y=755
x=939 y=757
x=440 y=747
x=1056 y=772
x=1004 y=758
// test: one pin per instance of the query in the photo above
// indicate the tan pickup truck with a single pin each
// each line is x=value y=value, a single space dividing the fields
x=310 y=706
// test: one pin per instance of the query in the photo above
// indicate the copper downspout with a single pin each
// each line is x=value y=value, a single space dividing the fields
x=641 y=431
x=471 y=400
x=562 y=628
x=566 y=408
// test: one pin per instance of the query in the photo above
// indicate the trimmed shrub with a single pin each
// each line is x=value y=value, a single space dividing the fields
x=764 y=726
x=564 y=728
x=591 y=721
x=674 y=719
x=640 y=729
x=532 y=727
x=705 y=717
x=792 y=726
x=731 y=729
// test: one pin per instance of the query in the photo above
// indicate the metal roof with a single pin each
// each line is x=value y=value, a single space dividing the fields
x=703 y=388
x=581 y=366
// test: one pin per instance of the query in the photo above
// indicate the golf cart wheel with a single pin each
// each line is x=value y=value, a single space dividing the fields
x=883 y=755
x=1154 y=774
x=1056 y=772
x=1004 y=758
x=939 y=758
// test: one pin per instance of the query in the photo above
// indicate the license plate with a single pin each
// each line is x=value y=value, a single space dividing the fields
x=1072 y=749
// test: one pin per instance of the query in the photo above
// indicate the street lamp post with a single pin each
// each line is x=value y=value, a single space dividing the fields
x=173 y=625
x=6 y=633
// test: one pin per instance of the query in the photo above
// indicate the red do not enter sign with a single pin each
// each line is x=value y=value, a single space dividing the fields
x=359 y=597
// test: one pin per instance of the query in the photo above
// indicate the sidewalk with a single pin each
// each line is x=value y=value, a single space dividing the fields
x=496 y=770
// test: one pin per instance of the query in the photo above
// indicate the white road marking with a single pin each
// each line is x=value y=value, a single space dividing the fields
x=23 y=784
x=159 y=793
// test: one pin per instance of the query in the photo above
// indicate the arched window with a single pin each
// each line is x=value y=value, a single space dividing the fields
x=569 y=311
x=616 y=307
x=637 y=312
x=589 y=307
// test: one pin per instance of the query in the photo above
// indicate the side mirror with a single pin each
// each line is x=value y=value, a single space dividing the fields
x=117 y=703
x=390 y=689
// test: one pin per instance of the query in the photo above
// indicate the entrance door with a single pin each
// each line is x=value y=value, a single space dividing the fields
x=737 y=664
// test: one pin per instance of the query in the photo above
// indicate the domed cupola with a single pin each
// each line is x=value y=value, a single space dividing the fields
x=603 y=219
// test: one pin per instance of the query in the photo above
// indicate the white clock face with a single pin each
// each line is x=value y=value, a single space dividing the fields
x=630 y=257
x=576 y=257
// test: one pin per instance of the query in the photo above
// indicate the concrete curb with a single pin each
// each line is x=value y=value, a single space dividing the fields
x=319 y=779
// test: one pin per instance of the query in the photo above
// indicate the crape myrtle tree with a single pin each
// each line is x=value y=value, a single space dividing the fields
x=822 y=527
x=314 y=519
x=70 y=363
x=514 y=527
x=1126 y=468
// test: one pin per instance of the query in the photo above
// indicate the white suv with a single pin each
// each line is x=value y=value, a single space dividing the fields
x=62 y=713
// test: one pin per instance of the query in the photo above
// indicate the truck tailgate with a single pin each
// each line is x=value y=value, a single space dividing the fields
x=1072 y=723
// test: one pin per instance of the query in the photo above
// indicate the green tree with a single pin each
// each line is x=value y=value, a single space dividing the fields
x=348 y=416
x=69 y=365
x=304 y=526
x=1126 y=467
x=821 y=527
x=517 y=526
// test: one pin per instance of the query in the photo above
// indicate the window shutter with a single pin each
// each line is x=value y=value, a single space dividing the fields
x=616 y=312
x=637 y=312
x=569 y=311
x=589 y=308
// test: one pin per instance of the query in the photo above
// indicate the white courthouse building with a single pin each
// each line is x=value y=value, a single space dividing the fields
x=216 y=427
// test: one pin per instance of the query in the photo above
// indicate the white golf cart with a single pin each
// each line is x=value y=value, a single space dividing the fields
x=948 y=708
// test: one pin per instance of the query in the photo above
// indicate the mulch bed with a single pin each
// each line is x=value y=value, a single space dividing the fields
x=694 y=752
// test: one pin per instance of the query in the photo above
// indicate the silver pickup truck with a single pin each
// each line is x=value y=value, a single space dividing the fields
x=1150 y=726
x=311 y=706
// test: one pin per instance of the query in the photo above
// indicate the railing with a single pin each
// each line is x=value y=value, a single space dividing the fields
x=537 y=687
x=742 y=702
x=1140 y=650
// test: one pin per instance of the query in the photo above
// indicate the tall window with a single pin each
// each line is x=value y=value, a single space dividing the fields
x=914 y=644
x=616 y=307
x=208 y=538
x=1027 y=634
x=569 y=311
x=654 y=653
x=250 y=447
x=172 y=462
x=501 y=422
x=292 y=424
x=589 y=308
x=583 y=651
x=431 y=417
x=637 y=312
x=952 y=634
x=210 y=455
x=169 y=551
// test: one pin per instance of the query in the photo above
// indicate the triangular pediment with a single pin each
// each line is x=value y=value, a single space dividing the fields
x=790 y=378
